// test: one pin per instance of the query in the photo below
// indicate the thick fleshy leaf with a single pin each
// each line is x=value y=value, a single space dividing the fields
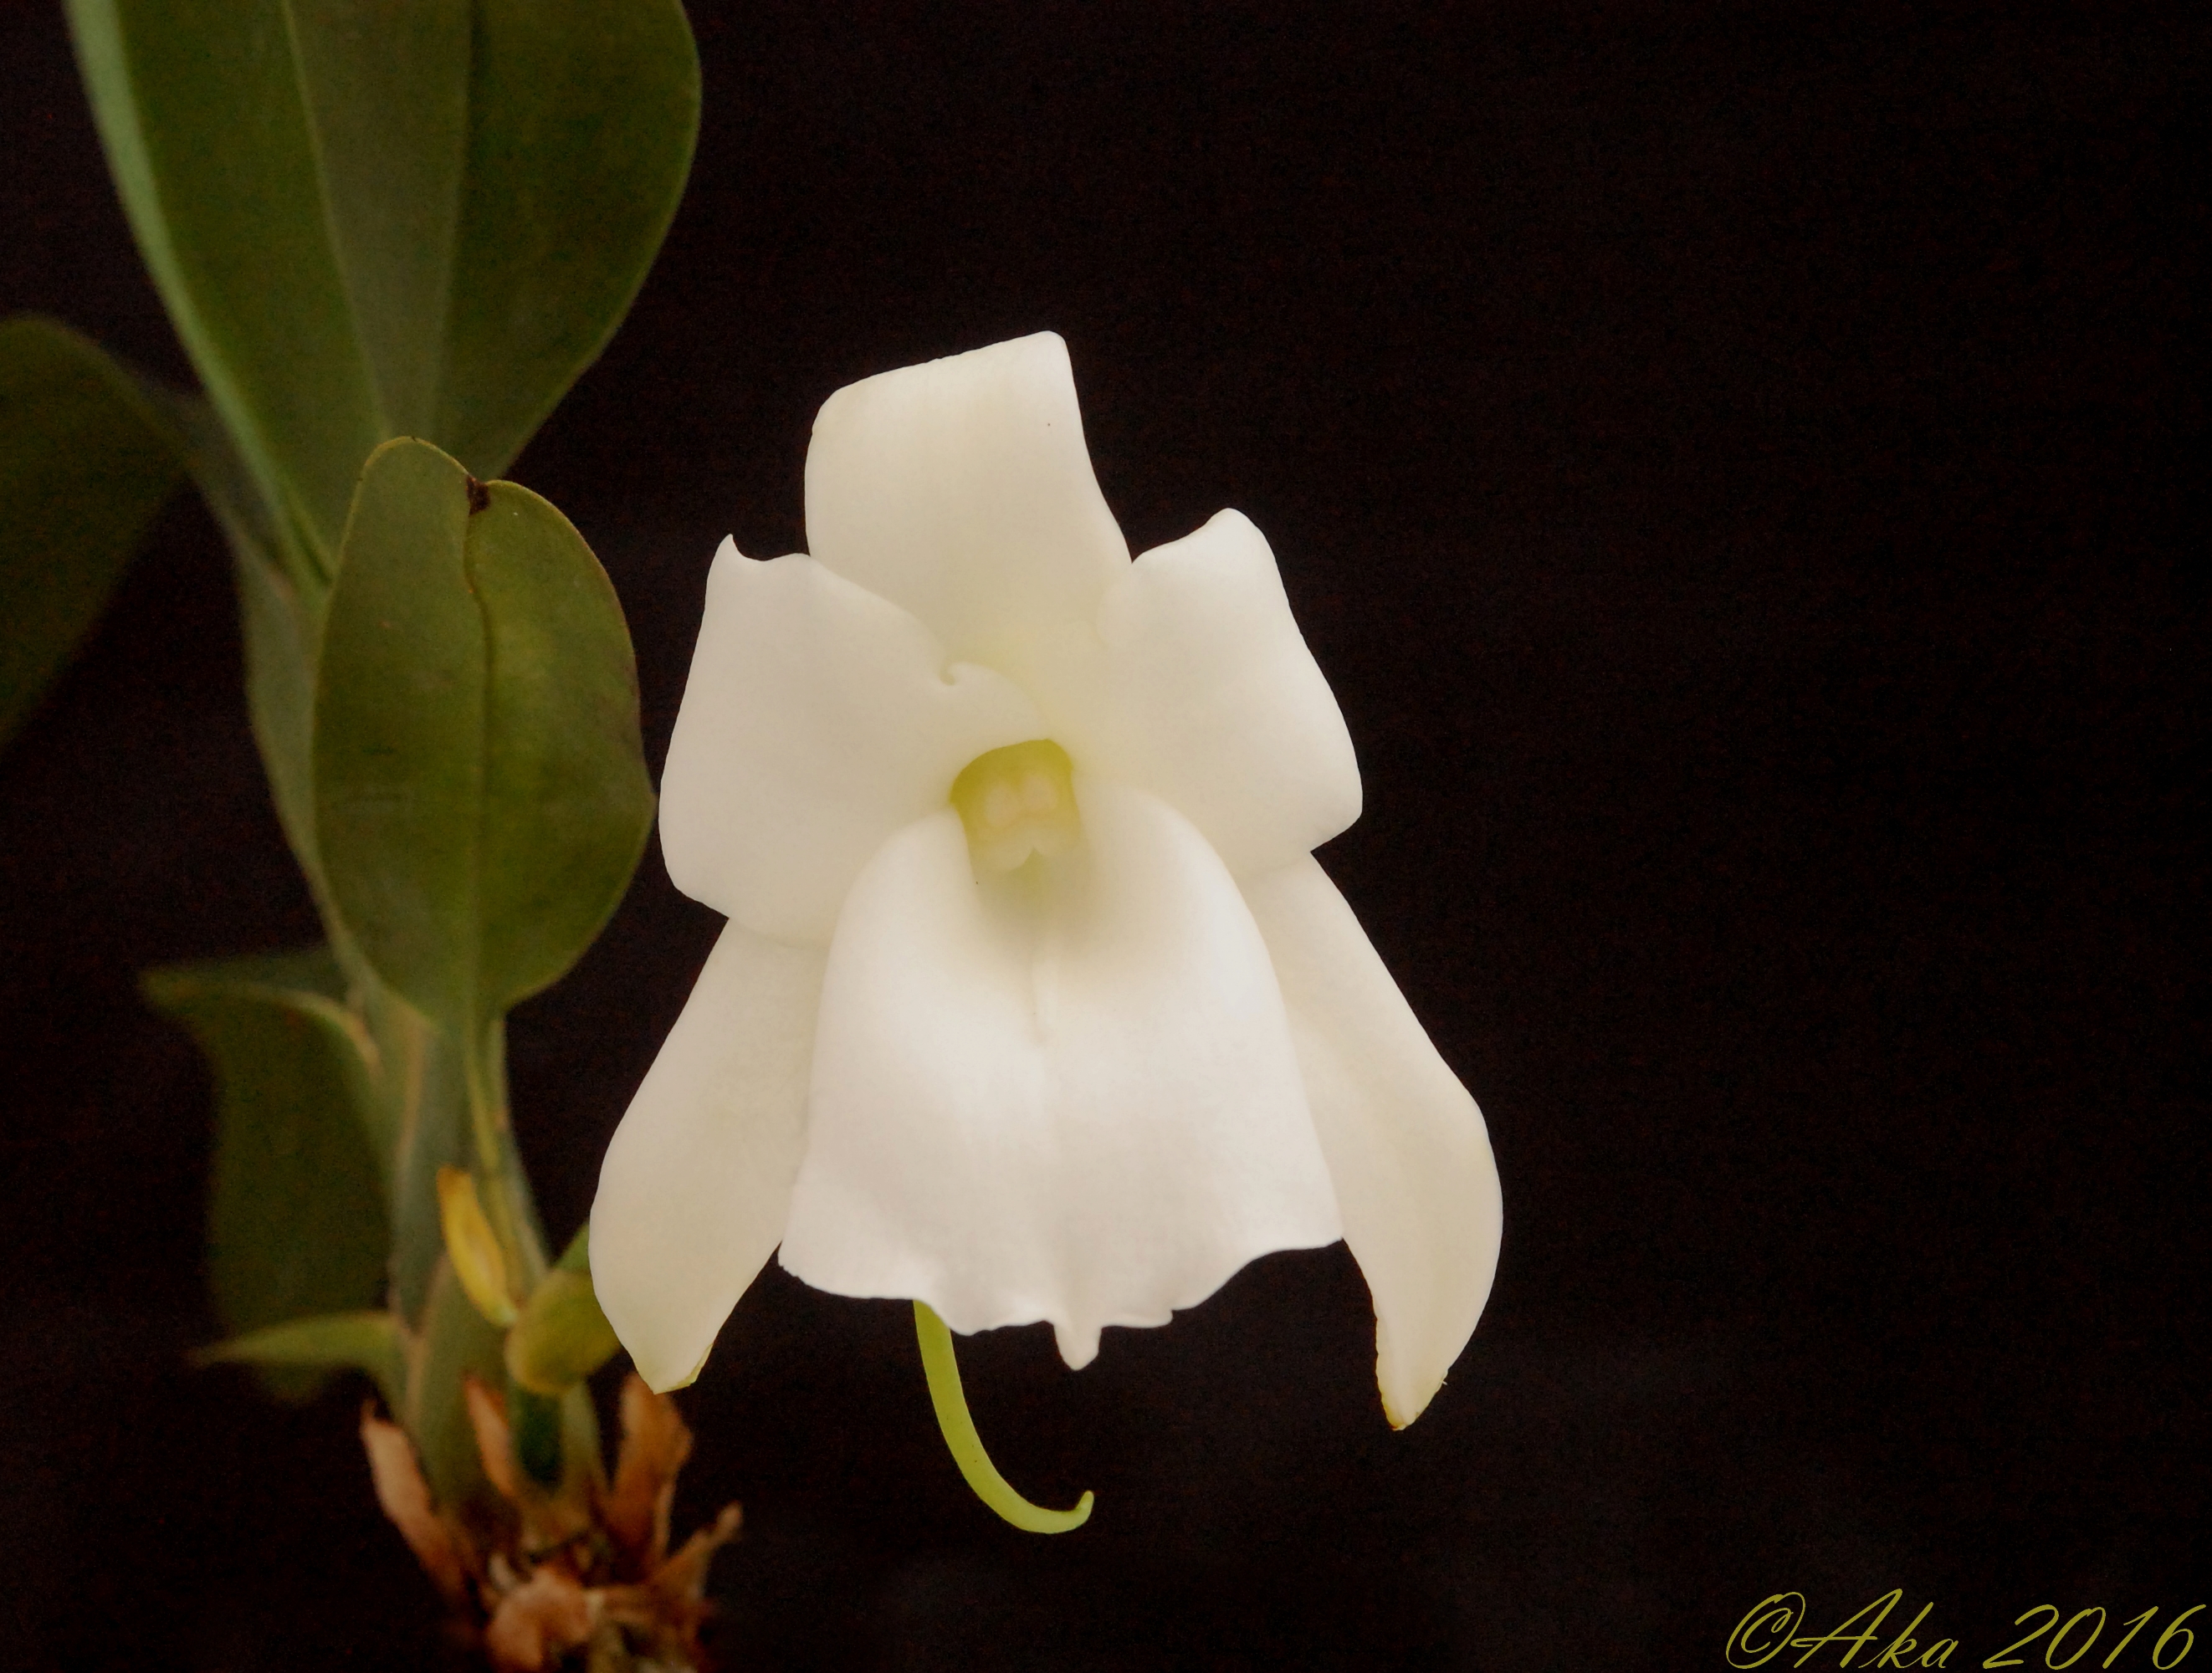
x=296 y=1218
x=199 y=105
x=85 y=462
x=280 y=622
x=567 y=804
x=582 y=115
x=400 y=725
x=819 y=720
x=425 y=217
x=961 y=490
x=366 y=1341
x=697 y=1181
x=1210 y=700
x=384 y=89
x=481 y=794
x=1406 y=1144
x=281 y=594
x=1066 y=1093
x=563 y=1336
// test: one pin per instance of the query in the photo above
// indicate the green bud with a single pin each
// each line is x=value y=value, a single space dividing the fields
x=562 y=1337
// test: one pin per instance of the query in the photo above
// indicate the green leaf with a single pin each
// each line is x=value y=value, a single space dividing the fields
x=577 y=1256
x=281 y=594
x=366 y=1341
x=296 y=1223
x=406 y=217
x=88 y=452
x=199 y=106
x=281 y=623
x=481 y=791
x=583 y=113
x=85 y=463
x=563 y=1335
x=456 y=1344
x=567 y=804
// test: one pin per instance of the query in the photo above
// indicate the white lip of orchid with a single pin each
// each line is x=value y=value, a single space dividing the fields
x=1089 y=1101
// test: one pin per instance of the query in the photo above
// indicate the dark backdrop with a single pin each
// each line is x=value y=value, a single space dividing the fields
x=1730 y=460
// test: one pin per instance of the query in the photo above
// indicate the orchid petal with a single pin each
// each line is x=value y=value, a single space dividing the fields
x=962 y=491
x=1406 y=1145
x=1211 y=700
x=696 y=1184
x=1065 y=1094
x=819 y=720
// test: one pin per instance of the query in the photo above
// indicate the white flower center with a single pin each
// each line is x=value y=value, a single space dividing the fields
x=1017 y=802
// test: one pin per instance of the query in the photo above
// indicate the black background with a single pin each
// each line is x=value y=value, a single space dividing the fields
x=1730 y=460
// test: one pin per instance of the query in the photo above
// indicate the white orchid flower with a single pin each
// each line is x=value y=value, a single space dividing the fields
x=1033 y=1003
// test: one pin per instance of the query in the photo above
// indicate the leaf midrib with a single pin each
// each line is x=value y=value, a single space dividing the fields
x=457 y=197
